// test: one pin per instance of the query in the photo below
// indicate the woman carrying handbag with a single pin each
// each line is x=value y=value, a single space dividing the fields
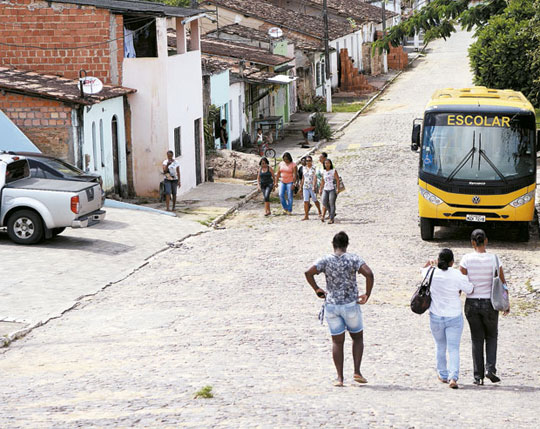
x=481 y=307
x=445 y=315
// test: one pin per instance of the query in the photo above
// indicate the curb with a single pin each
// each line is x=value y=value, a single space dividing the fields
x=378 y=94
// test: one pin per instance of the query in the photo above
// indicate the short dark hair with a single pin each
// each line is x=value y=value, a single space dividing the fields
x=331 y=163
x=479 y=237
x=287 y=155
x=265 y=159
x=340 y=240
x=324 y=154
x=446 y=257
x=223 y=121
x=170 y=151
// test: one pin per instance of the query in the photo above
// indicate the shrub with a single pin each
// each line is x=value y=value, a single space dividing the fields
x=322 y=127
x=501 y=55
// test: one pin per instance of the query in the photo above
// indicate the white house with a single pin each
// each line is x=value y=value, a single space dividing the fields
x=167 y=109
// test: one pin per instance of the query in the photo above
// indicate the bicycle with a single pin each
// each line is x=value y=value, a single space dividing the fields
x=264 y=150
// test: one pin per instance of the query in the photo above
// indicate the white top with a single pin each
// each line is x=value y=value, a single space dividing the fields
x=329 y=180
x=480 y=270
x=445 y=288
x=172 y=168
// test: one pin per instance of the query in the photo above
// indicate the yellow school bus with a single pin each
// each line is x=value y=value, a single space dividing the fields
x=478 y=150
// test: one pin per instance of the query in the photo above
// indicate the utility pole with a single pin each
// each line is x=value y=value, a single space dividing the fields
x=383 y=17
x=327 y=81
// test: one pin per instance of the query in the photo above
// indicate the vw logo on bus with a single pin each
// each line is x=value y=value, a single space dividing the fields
x=476 y=199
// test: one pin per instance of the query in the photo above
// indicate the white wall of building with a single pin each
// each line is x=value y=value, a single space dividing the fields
x=97 y=147
x=236 y=112
x=353 y=43
x=169 y=95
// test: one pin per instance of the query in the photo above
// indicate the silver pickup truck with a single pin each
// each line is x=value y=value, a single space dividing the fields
x=32 y=208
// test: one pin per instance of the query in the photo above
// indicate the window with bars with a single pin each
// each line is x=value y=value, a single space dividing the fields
x=177 y=142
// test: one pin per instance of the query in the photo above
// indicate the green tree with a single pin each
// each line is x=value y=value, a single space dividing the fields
x=501 y=55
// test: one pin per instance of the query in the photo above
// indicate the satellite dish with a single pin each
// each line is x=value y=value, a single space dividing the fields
x=91 y=85
x=275 y=32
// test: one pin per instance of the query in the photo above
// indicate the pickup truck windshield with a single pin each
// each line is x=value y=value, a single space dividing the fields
x=17 y=170
x=478 y=146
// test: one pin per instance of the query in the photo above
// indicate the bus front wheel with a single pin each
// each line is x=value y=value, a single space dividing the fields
x=523 y=231
x=426 y=228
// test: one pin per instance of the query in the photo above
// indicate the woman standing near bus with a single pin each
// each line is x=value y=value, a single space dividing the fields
x=483 y=319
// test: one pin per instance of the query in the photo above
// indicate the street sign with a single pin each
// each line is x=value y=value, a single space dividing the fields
x=91 y=85
x=275 y=32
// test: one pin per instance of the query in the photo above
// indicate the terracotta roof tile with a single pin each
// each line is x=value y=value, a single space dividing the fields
x=285 y=18
x=262 y=36
x=55 y=87
x=356 y=9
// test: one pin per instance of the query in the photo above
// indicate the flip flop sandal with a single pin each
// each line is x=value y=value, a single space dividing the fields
x=360 y=379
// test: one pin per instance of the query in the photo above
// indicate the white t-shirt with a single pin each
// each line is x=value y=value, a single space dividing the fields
x=172 y=168
x=329 y=180
x=480 y=270
x=445 y=288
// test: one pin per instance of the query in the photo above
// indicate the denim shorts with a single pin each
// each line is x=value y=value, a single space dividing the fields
x=344 y=317
x=309 y=192
x=170 y=186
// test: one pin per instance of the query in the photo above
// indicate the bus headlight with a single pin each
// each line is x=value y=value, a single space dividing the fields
x=430 y=197
x=524 y=199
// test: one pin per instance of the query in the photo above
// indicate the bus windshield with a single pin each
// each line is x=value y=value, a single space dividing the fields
x=478 y=147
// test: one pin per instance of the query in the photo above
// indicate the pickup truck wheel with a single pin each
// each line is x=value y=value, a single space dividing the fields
x=57 y=231
x=25 y=227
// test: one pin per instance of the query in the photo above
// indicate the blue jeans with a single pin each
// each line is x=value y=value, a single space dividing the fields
x=447 y=334
x=286 y=195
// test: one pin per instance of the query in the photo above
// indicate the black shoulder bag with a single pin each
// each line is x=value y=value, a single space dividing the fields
x=421 y=299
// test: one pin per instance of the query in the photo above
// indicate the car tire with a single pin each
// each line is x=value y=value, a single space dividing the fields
x=523 y=232
x=25 y=227
x=427 y=228
x=57 y=231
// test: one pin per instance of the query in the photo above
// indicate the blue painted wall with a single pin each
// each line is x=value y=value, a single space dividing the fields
x=219 y=97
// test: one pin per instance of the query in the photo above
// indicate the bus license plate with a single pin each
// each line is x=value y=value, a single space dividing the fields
x=475 y=218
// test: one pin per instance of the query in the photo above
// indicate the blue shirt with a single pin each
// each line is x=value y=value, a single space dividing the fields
x=340 y=272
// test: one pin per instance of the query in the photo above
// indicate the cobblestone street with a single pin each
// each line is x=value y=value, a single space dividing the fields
x=230 y=308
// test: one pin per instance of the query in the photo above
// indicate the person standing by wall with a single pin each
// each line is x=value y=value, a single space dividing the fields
x=342 y=301
x=266 y=182
x=308 y=186
x=445 y=315
x=223 y=134
x=171 y=169
x=328 y=190
x=479 y=266
x=286 y=175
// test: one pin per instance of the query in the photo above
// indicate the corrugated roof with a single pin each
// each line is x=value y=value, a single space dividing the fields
x=54 y=87
x=285 y=18
x=145 y=7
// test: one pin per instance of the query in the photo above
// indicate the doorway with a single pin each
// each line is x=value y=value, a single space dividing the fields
x=116 y=160
x=197 y=129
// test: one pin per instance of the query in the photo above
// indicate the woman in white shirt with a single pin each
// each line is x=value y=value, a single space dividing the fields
x=479 y=266
x=445 y=315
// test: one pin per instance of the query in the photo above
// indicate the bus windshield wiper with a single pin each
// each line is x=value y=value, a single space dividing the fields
x=483 y=155
x=470 y=155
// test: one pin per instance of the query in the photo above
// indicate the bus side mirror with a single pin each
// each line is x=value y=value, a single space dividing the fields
x=415 y=138
x=537 y=140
